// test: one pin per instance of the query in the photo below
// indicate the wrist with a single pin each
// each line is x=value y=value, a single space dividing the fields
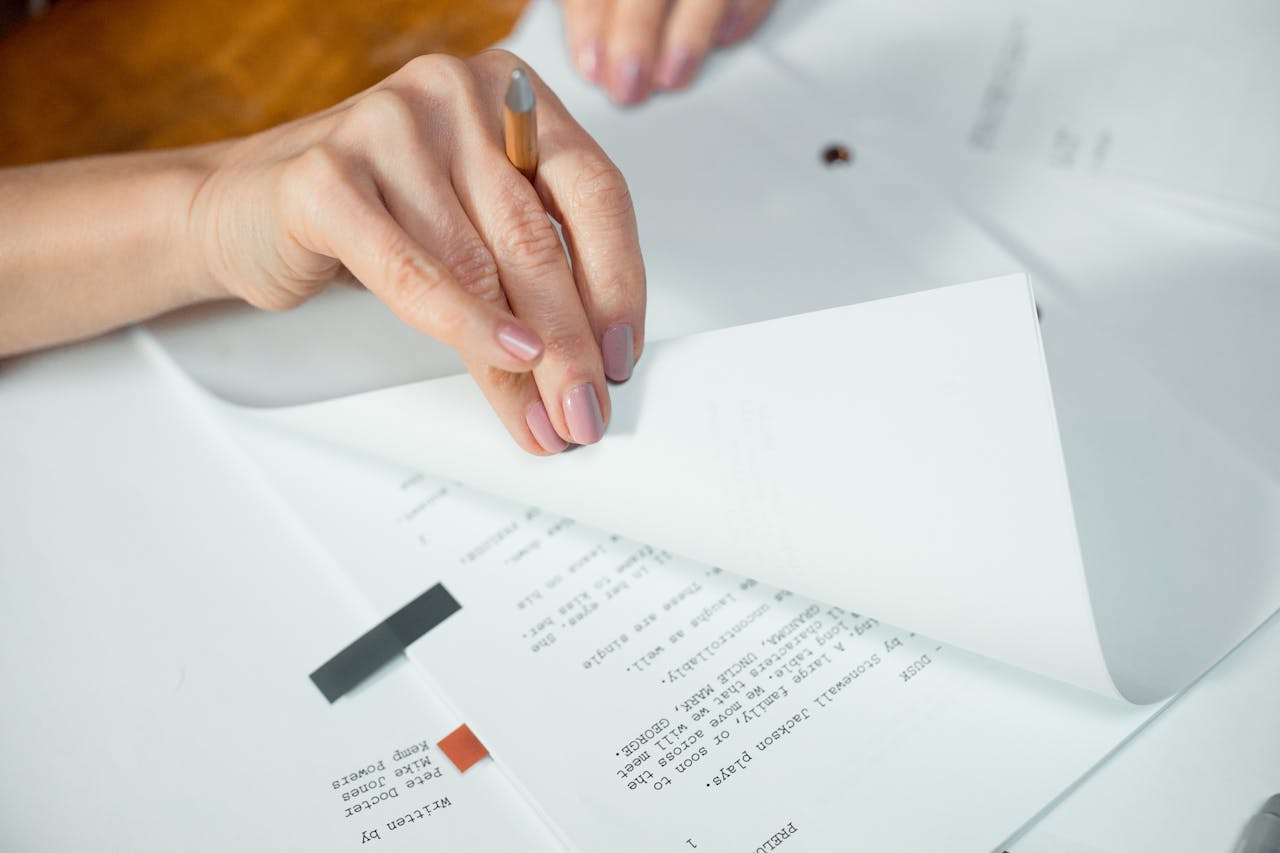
x=190 y=226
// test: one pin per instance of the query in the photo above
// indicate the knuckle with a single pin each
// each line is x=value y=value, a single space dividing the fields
x=404 y=278
x=384 y=111
x=438 y=72
x=318 y=178
x=496 y=61
x=474 y=268
x=497 y=56
x=526 y=234
x=320 y=166
x=600 y=188
x=415 y=288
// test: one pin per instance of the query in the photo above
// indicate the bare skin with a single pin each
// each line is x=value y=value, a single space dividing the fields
x=404 y=186
x=636 y=47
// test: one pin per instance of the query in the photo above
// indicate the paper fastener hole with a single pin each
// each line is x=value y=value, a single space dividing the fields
x=837 y=154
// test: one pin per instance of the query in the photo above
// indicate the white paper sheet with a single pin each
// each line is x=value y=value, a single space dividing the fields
x=160 y=612
x=1178 y=96
x=564 y=653
x=1160 y=343
x=898 y=457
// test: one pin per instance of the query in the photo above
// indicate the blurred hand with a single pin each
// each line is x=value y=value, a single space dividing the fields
x=407 y=187
x=636 y=47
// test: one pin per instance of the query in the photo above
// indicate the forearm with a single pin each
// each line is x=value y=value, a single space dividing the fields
x=92 y=244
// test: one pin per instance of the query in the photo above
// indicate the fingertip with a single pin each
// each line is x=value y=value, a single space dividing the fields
x=583 y=414
x=618 y=348
x=676 y=69
x=628 y=83
x=585 y=23
x=589 y=58
x=548 y=441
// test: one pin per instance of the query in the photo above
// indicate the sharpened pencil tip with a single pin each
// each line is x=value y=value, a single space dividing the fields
x=519 y=92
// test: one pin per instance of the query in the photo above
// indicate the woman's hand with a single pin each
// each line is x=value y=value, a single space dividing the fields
x=634 y=47
x=407 y=188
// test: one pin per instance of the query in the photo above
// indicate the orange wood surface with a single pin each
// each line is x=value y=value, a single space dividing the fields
x=92 y=76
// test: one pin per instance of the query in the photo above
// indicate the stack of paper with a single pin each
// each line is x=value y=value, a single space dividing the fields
x=851 y=596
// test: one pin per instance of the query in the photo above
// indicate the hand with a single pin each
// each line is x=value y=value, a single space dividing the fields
x=407 y=187
x=634 y=47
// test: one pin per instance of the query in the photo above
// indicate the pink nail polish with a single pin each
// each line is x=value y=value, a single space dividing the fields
x=582 y=411
x=675 y=71
x=590 y=56
x=618 y=349
x=628 y=87
x=540 y=425
x=521 y=343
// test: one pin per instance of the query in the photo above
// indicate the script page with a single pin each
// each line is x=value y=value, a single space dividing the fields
x=646 y=702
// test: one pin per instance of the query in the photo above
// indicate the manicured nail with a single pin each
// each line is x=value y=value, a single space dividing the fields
x=730 y=24
x=618 y=349
x=582 y=411
x=521 y=343
x=540 y=425
x=675 y=71
x=628 y=88
x=590 y=55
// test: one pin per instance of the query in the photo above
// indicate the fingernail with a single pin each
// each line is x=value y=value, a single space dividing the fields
x=521 y=343
x=589 y=56
x=618 y=349
x=627 y=85
x=582 y=411
x=729 y=26
x=540 y=425
x=675 y=71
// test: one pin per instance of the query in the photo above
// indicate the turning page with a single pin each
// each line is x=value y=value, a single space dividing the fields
x=899 y=457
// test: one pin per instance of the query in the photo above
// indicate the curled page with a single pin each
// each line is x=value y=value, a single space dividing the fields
x=908 y=458
x=898 y=457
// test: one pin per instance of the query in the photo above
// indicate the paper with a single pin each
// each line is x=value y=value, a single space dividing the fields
x=900 y=457
x=161 y=610
x=1163 y=491
x=1189 y=781
x=1159 y=339
x=1129 y=393
x=1179 y=97
x=562 y=655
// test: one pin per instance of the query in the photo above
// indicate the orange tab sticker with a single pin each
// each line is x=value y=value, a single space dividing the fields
x=462 y=747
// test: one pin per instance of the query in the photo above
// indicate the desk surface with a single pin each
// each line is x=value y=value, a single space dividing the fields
x=88 y=78
x=93 y=77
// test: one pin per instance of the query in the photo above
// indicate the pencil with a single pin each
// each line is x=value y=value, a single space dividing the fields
x=520 y=124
